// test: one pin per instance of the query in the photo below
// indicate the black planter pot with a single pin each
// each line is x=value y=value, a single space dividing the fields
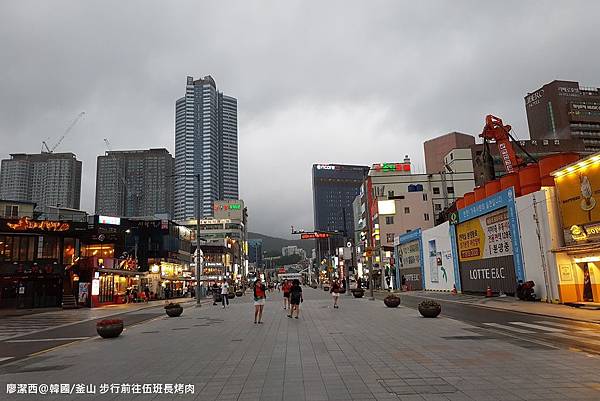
x=218 y=298
x=239 y=293
x=358 y=293
x=325 y=288
x=231 y=295
x=391 y=301
x=430 y=311
x=109 y=330
x=314 y=286
x=174 y=311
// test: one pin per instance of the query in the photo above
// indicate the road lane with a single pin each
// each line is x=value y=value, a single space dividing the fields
x=556 y=332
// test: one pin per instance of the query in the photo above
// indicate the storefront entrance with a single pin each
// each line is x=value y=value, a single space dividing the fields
x=587 y=293
x=27 y=292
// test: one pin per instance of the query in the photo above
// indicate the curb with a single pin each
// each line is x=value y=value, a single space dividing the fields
x=508 y=310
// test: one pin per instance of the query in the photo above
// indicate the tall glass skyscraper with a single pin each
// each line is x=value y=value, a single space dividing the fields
x=205 y=143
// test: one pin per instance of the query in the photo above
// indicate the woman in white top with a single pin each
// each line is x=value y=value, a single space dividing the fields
x=224 y=293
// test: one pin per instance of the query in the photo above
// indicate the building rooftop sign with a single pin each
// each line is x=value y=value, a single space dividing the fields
x=230 y=206
x=325 y=167
x=387 y=167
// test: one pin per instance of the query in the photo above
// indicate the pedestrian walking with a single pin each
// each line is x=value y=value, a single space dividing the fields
x=224 y=293
x=215 y=292
x=335 y=293
x=259 y=300
x=285 y=287
x=147 y=293
x=295 y=298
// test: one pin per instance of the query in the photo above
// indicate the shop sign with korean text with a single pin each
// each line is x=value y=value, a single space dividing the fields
x=485 y=237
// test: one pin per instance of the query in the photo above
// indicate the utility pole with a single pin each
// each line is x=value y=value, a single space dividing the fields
x=199 y=255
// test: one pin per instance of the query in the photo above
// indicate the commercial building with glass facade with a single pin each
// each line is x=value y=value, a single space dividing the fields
x=334 y=188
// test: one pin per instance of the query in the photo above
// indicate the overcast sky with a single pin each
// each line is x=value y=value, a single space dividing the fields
x=316 y=81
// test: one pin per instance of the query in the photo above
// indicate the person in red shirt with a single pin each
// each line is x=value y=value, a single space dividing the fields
x=259 y=300
x=286 y=293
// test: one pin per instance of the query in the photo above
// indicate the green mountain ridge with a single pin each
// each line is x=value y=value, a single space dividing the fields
x=274 y=244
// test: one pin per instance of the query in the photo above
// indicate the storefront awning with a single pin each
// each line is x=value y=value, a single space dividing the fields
x=579 y=248
x=123 y=272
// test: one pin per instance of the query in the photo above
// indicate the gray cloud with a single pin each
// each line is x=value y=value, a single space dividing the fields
x=334 y=81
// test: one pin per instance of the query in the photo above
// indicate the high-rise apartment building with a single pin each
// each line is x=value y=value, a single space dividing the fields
x=205 y=145
x=135 y=183
x=565 y=110
x=47 y=179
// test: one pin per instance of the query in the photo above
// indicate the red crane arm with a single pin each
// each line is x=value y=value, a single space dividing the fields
x=494 y=129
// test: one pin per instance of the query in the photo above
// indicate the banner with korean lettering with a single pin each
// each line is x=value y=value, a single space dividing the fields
x=487 y=236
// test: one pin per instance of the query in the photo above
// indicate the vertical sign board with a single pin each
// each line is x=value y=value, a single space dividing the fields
x=411 y=259
x=487 y=241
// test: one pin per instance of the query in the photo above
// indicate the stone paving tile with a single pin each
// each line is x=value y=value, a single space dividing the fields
x=362 y=351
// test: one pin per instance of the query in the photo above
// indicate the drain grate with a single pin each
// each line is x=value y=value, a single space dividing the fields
x=236 y=340
x=180 y=328
x=150 y=332
x=430 y=385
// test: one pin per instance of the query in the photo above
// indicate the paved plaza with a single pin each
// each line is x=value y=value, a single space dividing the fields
x=362 y=351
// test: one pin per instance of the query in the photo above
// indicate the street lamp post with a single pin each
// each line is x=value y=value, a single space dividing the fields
x=199 y=254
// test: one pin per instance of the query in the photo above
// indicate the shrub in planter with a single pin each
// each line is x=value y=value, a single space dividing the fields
x=231 y=295
x=239 y=293
x=173 y=309
x=109 y=328
x=429 y=308
x=391 y=301
x=358 y=293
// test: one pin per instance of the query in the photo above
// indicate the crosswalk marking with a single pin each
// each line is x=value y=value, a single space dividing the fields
x=565 y=326
x=538 y=327
x=21 y=325
x=509 y=328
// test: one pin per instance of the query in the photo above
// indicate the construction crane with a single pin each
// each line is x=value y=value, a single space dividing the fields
x=495 y=130
x=69 y=128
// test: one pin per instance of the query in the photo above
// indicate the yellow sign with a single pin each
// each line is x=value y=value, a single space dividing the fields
x=578 y=233
x=579 y=193
x=470 y=238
